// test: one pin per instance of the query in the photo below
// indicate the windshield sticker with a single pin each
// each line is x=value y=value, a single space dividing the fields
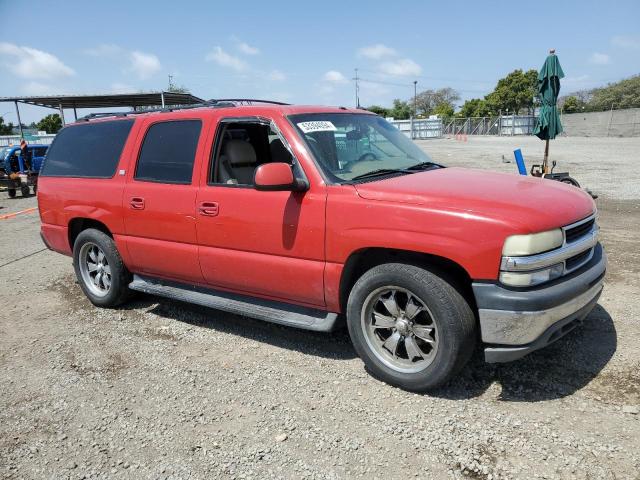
x=318 y=126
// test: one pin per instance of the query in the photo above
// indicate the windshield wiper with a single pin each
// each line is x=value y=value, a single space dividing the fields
x=382 y=171
x=425 y=166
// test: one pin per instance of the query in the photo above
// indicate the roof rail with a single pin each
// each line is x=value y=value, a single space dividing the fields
x=213 y=103
x=248 y=101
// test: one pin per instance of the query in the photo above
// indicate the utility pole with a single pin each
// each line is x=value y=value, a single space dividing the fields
x=170 y=82
x=356 y=78
x=415 y=97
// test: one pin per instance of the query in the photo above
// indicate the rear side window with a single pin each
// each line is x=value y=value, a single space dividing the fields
x=168 y=152
x=92 y=150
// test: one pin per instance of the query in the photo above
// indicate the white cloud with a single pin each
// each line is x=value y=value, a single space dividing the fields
x=333 y=76
x=30 y=63
x=122 y=88
x=247 y=49
x=599 y=58
x=626 y=41
x=37 y=88
x=377 y=51
x=401 y=67
x=143 y=64
x=276 y=76
x=103 y=50
x=224 y=59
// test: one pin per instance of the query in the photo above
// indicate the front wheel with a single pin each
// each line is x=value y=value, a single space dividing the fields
x=12 y=193
x=99 y=268
x=411 y=328
x=570 y=181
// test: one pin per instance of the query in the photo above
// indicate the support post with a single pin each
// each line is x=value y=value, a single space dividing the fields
x=19 y=121
x=513 y=124
x=62 y=115
x=75 y=114
x=545 y=162
x=162 y=98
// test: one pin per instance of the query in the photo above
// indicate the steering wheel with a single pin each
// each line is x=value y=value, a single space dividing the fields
x=367 y=157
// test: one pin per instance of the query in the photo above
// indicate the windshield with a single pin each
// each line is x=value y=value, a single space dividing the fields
x=3 y=152
x=350 y=145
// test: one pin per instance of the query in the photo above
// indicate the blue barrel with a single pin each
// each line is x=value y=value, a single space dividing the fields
x=520 y=161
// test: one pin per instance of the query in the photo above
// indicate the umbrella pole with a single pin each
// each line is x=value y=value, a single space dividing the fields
x=545 y=163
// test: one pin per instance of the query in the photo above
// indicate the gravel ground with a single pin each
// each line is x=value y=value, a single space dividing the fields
x=160 y=389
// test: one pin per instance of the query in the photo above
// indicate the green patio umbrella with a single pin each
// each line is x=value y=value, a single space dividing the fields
x=548 y=125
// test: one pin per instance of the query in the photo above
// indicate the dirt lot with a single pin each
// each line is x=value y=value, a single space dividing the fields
x=159 y=389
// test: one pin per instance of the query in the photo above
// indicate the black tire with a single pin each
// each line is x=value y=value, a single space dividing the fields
x=451 y=314
x=24 y=191
x=120 y=276
x=570 y=181
x=12 y=193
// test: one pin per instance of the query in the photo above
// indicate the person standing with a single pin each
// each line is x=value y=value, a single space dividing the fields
x=25 y=153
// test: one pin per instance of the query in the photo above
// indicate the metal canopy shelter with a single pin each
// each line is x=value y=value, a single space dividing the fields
x=133 y=100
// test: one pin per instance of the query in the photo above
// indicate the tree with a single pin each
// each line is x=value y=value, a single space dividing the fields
x=428 y=100
x=476 y=107
x=177 y=89
x=444 y=110
x=377 y=109
x=5 y=128
x=571 y=104
x=514 y=93
x=51 y=123
x=622 y=94
x=401 y=110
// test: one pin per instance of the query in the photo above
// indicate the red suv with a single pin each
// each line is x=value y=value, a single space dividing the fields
x=306 y=216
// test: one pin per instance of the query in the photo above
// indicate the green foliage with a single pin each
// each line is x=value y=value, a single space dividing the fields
x=444 y=109
x=51 y=123
x=514 y=93
x=476 y=107
x=401 y=110
x=622 y=94
x=5 y=128
x=571 y=104
x=429 y=100
x=377 y=109
x=178 y=89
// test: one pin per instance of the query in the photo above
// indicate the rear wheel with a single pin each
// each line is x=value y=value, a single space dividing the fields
x=99 y=268
x=24 y=191
x=12 y=193
x=411 y=328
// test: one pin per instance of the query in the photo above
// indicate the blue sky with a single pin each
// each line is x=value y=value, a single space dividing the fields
x=306 y=52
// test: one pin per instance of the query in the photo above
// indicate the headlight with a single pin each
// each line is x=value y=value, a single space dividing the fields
x=520 y=245
x=529 y=279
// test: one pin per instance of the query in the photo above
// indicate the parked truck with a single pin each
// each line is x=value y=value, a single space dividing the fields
x=314 y=217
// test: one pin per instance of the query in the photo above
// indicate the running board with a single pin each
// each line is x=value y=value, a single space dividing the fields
x=267 y=310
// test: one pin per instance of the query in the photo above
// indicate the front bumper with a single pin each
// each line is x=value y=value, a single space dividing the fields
x=515 y=322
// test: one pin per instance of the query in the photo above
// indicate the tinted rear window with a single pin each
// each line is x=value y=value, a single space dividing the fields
x=92 y=150
x=168 y=152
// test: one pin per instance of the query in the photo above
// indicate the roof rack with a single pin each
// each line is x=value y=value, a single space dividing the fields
x=248 y=101
x=213 y=103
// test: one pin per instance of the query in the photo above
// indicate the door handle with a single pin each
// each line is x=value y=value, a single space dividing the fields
x=208 y=209
x=137 y=203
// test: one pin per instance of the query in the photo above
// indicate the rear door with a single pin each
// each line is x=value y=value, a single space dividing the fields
x=159 y=199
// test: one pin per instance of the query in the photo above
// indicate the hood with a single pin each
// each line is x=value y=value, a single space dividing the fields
x=533 y=203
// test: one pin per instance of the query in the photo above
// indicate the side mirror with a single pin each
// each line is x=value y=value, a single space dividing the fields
x=277 y=176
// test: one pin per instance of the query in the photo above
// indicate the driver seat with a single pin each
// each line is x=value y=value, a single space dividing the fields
x=237 y=162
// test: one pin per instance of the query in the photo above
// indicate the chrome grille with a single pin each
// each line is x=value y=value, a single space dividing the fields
x=573 y=233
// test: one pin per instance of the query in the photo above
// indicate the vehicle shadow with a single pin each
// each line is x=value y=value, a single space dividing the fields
x=556 y=371
x=335 y=345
